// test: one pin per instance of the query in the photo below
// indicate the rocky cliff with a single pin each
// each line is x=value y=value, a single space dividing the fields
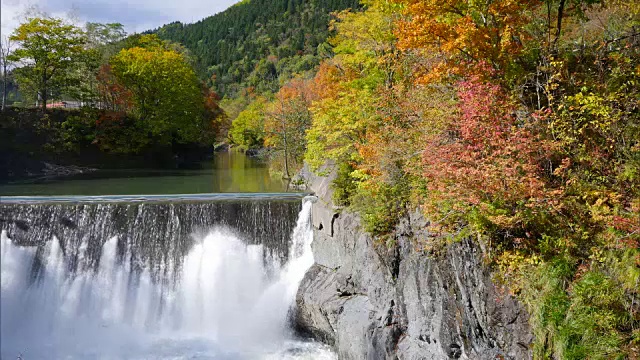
x=378 y=302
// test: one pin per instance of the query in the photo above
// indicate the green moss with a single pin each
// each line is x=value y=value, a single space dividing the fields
x=578 y=314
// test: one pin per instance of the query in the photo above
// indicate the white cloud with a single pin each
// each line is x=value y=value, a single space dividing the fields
x=136 y=15
x=10 y=9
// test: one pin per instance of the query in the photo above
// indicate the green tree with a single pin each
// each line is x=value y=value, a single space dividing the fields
x=48 y=48
x=167 y=94
x=247 y=129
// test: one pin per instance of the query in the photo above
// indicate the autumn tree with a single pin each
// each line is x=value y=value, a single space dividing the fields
x=454 y=36
x=215 y=122
x=512 y=123
x=166 y=92
x=48 y=49
x=113 y=96
x=288 y=119
x=363 y=64
x=487 y=157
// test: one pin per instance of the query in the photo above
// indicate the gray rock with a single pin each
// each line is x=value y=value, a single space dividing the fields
x=224 y=147
x=54 y=170
x=370 y=301
x=325 y=213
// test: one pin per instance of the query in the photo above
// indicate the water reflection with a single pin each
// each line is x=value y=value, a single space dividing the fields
x=235 y=172
x=226 y=172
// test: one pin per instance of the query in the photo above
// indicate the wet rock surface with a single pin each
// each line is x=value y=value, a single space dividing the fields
x=372 y=301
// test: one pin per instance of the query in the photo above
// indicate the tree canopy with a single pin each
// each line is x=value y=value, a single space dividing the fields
x=165 y=90
x=48 y=48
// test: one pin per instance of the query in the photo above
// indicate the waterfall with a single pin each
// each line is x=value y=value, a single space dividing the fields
x=223 y=299
x=156 y=230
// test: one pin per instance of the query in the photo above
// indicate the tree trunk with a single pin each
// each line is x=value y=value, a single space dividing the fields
x=559 y=23
x=4 y=85
x=43 y=97
x=286 y=156
x=44 y=91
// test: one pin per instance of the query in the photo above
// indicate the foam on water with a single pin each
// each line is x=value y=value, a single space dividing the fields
x=222 y=301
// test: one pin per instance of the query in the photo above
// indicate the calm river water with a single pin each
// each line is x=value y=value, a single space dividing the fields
x=230 y=172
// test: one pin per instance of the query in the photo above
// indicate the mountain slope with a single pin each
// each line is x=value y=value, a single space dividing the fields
x=256 y=42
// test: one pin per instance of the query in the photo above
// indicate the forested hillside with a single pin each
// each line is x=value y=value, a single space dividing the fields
x=255 y=42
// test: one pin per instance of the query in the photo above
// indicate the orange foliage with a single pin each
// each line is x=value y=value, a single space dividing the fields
x=303 y=89
x=456 y=35
x=217 y=123
x=297 y=95
x=327 y=80
x=113 y=95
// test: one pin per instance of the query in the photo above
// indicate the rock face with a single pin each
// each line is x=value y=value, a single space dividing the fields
x=374 y=302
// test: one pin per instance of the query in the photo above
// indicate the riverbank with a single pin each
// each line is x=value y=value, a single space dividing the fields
x=63 y=142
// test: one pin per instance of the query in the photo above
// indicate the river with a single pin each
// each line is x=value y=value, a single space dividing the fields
x=227 y=172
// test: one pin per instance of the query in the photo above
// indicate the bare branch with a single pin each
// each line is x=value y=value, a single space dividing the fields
x=6 y=48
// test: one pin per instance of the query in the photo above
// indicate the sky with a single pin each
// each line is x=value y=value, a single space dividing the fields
x=135 y=15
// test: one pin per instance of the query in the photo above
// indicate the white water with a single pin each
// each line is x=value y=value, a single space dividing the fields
x=226 y=303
